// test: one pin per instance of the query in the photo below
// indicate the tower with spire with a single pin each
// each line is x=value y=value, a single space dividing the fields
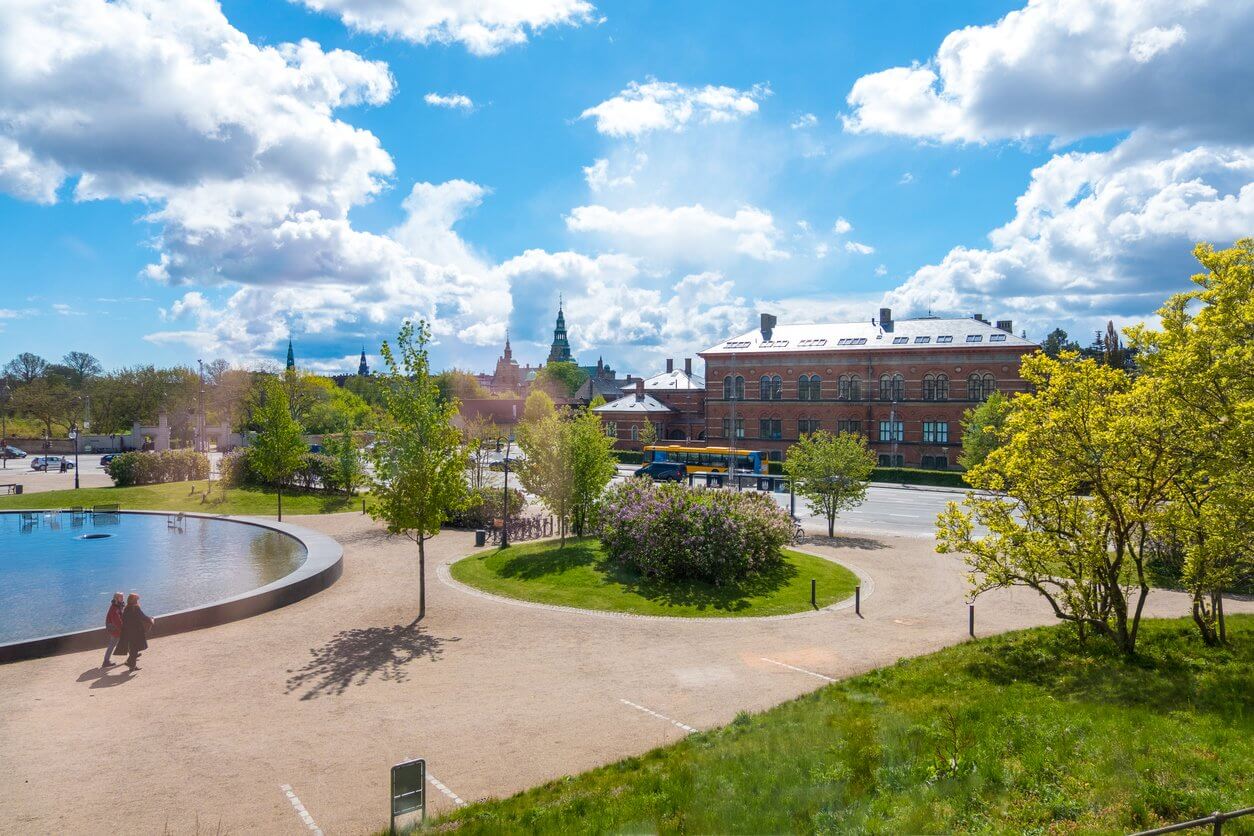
x=559 y=352
x=363 y=368
x=291 y=356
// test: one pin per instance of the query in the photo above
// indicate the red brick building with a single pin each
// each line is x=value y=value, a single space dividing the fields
x=904 y=384
x=673 y=401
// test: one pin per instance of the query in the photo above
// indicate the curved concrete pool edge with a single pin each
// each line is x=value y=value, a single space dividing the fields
x=324 y=563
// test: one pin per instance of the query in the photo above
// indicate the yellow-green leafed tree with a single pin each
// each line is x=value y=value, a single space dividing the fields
x=546 y=471
x=278 y=449
x=831 y=471
x=1080 y=474
x=592 y=465
x=419 y=461
x=1201 y=363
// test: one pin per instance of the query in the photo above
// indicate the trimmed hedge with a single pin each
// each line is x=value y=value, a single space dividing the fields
x=628 y=456
x=152 y=468
x=317 y=471
x=919 y=476
x=673 y=532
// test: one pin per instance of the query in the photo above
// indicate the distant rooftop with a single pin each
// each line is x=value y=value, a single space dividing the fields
x=630 y=403
x=673 y=381
x=883 y=332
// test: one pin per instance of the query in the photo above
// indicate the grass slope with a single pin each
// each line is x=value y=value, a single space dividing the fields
x=1021 y=733
x=579 y=576
x=186 y=496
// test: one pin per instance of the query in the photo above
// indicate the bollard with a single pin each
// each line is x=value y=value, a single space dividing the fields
x=857 y=600
x=363 y=506
x=813 y=597
x=971 y=619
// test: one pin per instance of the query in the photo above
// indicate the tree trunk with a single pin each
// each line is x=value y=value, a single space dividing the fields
x=280 y=492
x=1204 y=619
x=422 y=577
x=1219 y=611
x=831 y=523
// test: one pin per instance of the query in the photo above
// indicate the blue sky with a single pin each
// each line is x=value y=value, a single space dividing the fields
x=671 y=168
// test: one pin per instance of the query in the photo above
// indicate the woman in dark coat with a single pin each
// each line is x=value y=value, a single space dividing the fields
x=135 y=627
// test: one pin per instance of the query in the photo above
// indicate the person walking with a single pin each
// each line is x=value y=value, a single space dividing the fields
x=135 y=627
x=113 y=626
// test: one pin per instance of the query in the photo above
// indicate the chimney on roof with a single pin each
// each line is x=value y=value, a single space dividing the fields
x=688 y=366
x=886 y=319
x=640 y=389
x=1006 y=325
x=670 y=365
x=979 y=318
x=768 y=326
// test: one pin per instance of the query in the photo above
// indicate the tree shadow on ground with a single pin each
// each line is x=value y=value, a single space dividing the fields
x=731 y=597
x=1172 y=669
x=529 y=566
x=353 y=657
x=843 y=541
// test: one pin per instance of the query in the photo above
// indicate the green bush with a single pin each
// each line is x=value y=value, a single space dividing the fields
x=485 y=505
x=150 y=468
x=672 y=532
x=919 y=476
x=775 y=468
x=233 y=469
x=317 y=471
x=627 y=456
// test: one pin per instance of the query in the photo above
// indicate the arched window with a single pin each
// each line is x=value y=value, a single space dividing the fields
x=942 y=387
x=892 y=387
x=848 y=388
x=777 y=388
x=771 y=388
x=935 y=387
x=809 y=388
x=764 y=388
x=728 y=391
x=740 y=388
x=979 y=387
x=929 y=387
x=855 y=388
x=816 y=387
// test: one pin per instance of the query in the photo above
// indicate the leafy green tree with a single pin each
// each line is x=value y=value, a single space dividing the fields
x=980 y=427
x=1080 y=476
x=26 y=367
x=455 y=383
x=82 y=367
x=278 y=450
x=538 y=405
x=561 y=380
x=592 y=465
x=1201 y=365
x=419 y=461
x=47 y=401
x=547 y=471
x=647 y=434
x=1058 y=341
x=342 y=448
x=831 y=471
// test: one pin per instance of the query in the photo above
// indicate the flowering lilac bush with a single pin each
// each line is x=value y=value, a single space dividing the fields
x=673 y=531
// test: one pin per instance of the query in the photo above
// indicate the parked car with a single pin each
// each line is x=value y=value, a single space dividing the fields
x=664 y=471
x=12 y=453
x=315 y=448
x=50 y=463
x=108 y=457
x=499 y=465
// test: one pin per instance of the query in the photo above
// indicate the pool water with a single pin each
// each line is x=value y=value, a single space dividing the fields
x=57 y=573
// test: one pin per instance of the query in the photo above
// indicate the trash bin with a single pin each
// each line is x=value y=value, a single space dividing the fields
x=481 y=537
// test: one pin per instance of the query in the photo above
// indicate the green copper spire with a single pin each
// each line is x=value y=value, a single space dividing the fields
x=559 y=352
x=291 y=357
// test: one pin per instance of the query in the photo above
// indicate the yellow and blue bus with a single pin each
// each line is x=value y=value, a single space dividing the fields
x=705 y=459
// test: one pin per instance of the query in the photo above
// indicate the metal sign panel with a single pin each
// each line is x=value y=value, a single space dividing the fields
x=409 y=789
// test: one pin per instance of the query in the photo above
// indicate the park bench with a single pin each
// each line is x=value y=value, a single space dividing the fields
x=10 y=489
x=111 y=508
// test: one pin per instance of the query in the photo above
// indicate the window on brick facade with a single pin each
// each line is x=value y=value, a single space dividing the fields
x=848 y=425
x=733 y=388
x=935 y=387
x=771 y=388
x=980 y=386
x=809 y=387
x=892 y=431
x=892 y=387
x=936 y=462
x=611 y=429
x=935 y=432
x=849 y=388
x=892 y=460
x=770 y=428
x=805 y=426
x=635 y=433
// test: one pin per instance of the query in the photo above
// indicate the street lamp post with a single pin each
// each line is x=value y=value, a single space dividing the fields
x=74 y=436
x=509 y=443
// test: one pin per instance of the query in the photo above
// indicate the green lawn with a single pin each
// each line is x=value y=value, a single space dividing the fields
x=1024 y=733
x=187 y=496
x=579 y=576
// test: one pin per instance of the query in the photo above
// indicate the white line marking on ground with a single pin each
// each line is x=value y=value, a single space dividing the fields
x=673 y=722
x=435 y=782
x=300 y=810
x=907 y=516
x=797 y=669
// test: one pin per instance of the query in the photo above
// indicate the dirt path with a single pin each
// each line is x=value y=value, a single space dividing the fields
x=323 y=696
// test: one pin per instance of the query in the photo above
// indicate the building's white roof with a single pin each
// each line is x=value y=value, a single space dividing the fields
x=630 y=403
x=672 y=381
x=926 y=332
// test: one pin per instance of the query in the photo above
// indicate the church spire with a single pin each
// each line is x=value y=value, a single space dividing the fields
x=291 y=356
x=559 y=351
x=363 y=368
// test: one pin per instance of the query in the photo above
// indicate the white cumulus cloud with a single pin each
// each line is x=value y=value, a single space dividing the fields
x=684 y=232
x=858 y=248
x=484 y=27
x=666 y=106
x=452 y=101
